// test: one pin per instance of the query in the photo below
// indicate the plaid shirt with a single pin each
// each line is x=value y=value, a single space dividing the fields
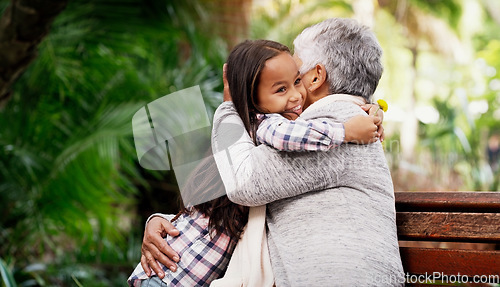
x=299 y=135
x=203 y=258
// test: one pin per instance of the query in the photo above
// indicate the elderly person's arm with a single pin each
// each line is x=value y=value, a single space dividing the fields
x=155 y=248
x=259 y=175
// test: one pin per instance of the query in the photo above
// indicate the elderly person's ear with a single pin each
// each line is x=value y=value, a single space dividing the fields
x=317 y=78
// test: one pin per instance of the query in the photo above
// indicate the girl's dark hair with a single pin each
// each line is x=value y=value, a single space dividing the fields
x=244 y=66
x=224 y=216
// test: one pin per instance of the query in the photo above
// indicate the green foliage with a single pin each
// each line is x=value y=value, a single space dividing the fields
x=460 y=136
x=69 y=178
x=491 y=118
x=452 y=146
x=290 y=17
x=6 y=275
x=68 y=171
x=450 y=10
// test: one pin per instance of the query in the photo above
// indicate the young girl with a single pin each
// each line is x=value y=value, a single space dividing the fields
x=208 y=233
x=273 y=90
x=265 y=72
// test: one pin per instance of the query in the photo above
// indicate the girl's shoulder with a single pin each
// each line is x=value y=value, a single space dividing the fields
x=204 y=255
x=193 y=228
x=191 y=222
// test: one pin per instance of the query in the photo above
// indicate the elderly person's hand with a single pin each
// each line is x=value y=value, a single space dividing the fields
x=155 y=248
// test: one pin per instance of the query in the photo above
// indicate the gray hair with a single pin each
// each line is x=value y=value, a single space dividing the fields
x=349 y=51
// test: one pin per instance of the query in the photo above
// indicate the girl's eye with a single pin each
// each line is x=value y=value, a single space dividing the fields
x=281 y=90
x=298 y=81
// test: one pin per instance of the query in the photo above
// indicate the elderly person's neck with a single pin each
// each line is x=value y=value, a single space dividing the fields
x=315 y=82
x=317 y=94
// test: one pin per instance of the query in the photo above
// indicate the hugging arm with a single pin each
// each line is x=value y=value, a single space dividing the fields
x=259 y=175
x=299 y=134
x=155 y=248
x=316 y=134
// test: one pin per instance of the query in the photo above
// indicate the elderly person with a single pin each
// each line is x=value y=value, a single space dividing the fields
x=330 y=215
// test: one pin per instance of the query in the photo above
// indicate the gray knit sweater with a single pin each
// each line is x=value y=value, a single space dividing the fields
x=330 y=215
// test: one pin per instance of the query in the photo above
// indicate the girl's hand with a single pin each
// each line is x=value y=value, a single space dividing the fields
x=371 y=109
x=361 y=130
x=155 y=248
x=227 y=94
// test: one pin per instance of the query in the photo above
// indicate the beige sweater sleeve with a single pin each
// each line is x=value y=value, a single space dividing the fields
x=257 y=175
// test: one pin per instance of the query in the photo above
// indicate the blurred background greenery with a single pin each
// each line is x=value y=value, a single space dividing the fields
x=73 y=199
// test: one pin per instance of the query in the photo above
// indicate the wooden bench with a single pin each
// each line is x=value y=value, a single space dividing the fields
x=452 y=235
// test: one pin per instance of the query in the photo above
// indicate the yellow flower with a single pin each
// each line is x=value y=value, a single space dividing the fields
x=383 y=105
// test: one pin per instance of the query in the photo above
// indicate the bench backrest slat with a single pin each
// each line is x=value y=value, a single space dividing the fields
x=472 y=217
x=449 y=226
x=451 y=262
x=448 y=201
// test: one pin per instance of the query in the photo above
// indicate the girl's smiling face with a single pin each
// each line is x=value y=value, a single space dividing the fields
x=280 y=88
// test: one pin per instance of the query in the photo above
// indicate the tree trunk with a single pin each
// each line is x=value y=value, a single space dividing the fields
x=409 y=130
x=232 y=18
x=22 y=27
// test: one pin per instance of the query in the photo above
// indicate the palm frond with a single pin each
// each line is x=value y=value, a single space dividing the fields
x=68 y=167
x=294 y=16
x=6 y=275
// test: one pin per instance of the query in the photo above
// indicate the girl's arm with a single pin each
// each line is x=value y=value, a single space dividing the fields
x=259 y=175
x=299 y=134
x=318 y=134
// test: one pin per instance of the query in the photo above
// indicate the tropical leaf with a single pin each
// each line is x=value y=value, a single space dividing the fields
x=69 y=177
x=7 y=277
x=293 y=17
